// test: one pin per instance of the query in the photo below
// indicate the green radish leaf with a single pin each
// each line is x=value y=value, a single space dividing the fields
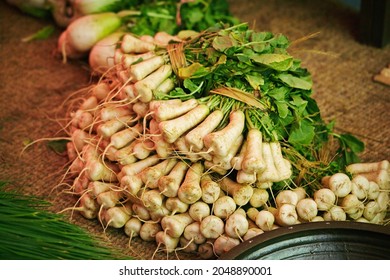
x=302 y=133
x=279 y=62
x=58 y=146
x=41 y=34
x=353 y=143
x=295 y=82
x=255 y=80
x=279 y=93
x=282 y=108
x=195 y=70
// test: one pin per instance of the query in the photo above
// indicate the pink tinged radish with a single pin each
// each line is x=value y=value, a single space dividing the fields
x=379 y=218
x=95 y=188
x=175 y=205
x=286 y=215
x=66 y=49
x=252 y=161
x=259 y=198
x=352 y=206
x=360 y=186
x=283 y=166
x=114 y=112
x=163 y=38
x=381 y=177
x=131 y=44
x=373 y=191
x=118 y=56
x=362 y=220
x=125 y=155
x=252 y=232
x=317 y=219
x=241 y=193
x=164 y=88
x=199 y=210
x=206 y=251
x=101 y=90
x=325 y=199
x=212 y=227
x=122 y=138
x=142 y=149
x=140 y=212
x=109 y=199
x=80 y=138
x=367 y=167
x=236 y=225
x=335 y=213
x=97 y=171
x=159 y=213
x=210 y=189
x=174 y=225
x=187 y=245
x=82 y=119
x=251 y=213
x=246 y=178
x=194 y=138
x=270 y=174
x=90 y=104
x=80 y=185
x=138 y=166
x=71 y=151
x=301 y=192
x=141 y=109
x=162 y=147
x=224 y=244
x=112 y=126
x=126 y=60
x=171 y=109
x=192 y=232
x=149 y=231
x=174 y=128
x=152 y=200
x=383 y=201
x=225 y=161
x=101 y=55
x=170 y=243
x=144 y=88
x=224 y=207
x=132 y=227
x=84 y=32
x=211 y=166
x=182 y=150
x=265 y=220
x=307 y=209
x=340 y=184
x=169 y=184
x=116 y=217
x=140 y=70
x=263 y=185
x=131 y=183
x=190 y=190
x=76 y=167
x=371 y=209
x=152 y=174
x=286 y=197
x=220 y=142
x=88 y=207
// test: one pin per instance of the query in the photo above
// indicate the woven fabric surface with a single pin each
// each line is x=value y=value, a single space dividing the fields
x=35 y=83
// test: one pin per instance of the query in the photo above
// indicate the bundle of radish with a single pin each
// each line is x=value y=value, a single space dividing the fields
x=186 y=141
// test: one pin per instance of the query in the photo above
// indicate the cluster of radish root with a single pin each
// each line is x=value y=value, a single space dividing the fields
x=166 y=171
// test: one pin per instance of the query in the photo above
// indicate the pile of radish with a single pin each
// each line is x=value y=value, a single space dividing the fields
x=197 y=172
